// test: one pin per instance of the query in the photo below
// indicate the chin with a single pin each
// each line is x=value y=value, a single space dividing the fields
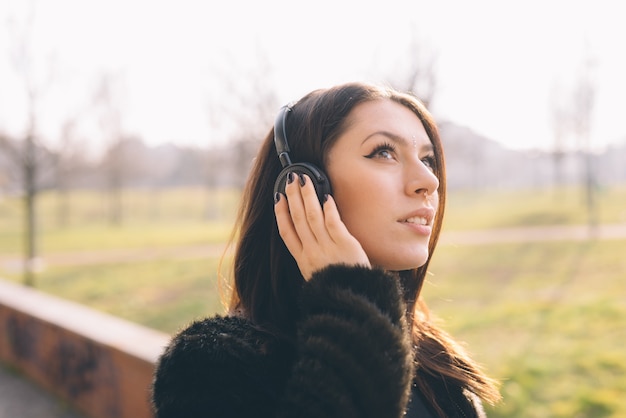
x=408 y=263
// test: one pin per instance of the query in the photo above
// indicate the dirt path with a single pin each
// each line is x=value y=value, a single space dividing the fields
x=534 y=234
x=123 y=255
x=13 y=262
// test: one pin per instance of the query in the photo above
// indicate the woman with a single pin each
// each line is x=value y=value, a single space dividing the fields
x=325 y=319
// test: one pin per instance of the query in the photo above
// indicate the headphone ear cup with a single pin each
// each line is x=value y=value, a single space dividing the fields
x=317 y=176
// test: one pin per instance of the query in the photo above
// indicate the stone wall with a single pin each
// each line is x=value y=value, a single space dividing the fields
x=100 y=364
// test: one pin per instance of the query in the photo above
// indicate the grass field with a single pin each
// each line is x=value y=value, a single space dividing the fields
x=547 y=318
x=154 y=218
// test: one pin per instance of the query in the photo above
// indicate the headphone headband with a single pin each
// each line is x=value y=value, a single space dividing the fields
x=280 y=135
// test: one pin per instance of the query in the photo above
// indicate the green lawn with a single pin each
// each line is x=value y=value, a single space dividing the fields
x=161 y=294
x=151 y=218
x=519 y=208
x=548 y=319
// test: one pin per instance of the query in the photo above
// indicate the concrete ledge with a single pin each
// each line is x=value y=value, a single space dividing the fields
x=100 y=364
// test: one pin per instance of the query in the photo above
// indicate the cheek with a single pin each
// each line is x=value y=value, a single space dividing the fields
x=349 y=200
x=362 y=208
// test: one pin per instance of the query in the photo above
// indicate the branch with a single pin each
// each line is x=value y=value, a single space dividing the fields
x=10 y=148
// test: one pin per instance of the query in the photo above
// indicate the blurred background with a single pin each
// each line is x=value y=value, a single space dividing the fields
x=127 y=129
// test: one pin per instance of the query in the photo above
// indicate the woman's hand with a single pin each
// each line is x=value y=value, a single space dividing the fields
x=316 y=238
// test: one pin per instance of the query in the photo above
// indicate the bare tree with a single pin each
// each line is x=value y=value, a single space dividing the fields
x=69 y=161
x=28 y=160
x=115 y=163
x=26 y=151
x=245 y=117
x=417 y=72
x=583 y=104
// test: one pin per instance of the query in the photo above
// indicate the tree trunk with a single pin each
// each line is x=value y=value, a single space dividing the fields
x=30 y=190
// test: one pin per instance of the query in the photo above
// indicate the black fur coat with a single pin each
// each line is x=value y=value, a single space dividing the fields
x=352 y=357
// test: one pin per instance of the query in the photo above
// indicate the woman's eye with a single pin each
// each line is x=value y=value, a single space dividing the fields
x=383 y=151
x=429 y=162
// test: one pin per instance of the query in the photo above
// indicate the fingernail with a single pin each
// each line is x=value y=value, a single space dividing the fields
x=290 y=178
x=276 y=197
x=302 y=180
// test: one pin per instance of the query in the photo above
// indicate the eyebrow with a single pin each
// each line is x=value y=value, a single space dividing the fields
x=400 y=140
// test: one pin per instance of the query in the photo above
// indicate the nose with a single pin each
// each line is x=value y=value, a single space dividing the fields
x=421 y=179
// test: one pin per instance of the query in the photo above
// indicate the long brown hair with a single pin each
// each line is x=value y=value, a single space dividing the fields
x=266 y=276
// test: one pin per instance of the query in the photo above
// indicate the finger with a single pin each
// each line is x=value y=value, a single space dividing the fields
x=297 y=211
x=337 y=230
x=313 y=209
x=285 y=225
x=341 y=236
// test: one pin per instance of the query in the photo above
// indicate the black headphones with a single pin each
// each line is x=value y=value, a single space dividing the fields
x=317 y=176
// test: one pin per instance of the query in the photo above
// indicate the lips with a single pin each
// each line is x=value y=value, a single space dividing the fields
x=423 y=216
x=416 y=220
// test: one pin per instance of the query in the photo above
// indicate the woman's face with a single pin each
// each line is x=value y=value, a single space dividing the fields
x=381 y=173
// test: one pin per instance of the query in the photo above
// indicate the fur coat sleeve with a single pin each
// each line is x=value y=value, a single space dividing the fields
x=352 y=357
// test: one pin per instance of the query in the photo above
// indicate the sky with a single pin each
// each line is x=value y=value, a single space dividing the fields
x=501 y=65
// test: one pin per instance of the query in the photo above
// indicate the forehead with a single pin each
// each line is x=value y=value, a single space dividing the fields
x=387 y=116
